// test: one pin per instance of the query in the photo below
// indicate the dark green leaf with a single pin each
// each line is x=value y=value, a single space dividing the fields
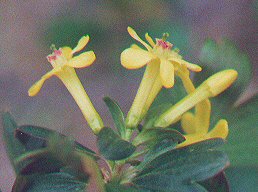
x=112 y=147
x=179 y=169
x=116 y=187
x=157 y=150
x=34 y=137
x=53 y=182
x=37 y=161
x=243 y=178
x=117 y=115
x=14 y=147
x=218 y=183
x=164 y=183
x=153 y=136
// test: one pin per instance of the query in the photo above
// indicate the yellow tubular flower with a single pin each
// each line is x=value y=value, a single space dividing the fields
x=213 y=86
x=196 y=126
x=63 y=63
x=162 y=61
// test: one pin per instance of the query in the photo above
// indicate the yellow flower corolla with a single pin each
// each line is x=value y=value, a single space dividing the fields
x=160 y=53
x=196 y=126
x=63 y=62
x=162 y=64
x=213 y=86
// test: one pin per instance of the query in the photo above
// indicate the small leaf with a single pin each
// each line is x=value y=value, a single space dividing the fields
x=117 y=115
x=153 y=136
x=14 y=146
x=112 y=147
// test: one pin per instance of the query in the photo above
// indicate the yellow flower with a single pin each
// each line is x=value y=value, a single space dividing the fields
x=213 y=86
x=162 y=62
x=160 y=52
x=196 y=126
x=63 y=63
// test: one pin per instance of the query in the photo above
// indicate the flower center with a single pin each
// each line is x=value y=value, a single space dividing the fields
x=162 y=48
x=57 y=58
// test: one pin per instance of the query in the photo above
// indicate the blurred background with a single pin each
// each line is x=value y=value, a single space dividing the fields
x=28 y=28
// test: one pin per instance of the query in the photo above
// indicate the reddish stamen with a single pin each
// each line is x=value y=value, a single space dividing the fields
x=164 y=44
x=51 y=58
x=58 y=52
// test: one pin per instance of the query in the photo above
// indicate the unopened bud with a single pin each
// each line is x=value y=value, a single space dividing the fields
x=220 y=81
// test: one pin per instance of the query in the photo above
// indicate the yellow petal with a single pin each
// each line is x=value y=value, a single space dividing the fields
x=134 y=46
x=83 y=60
x=188 y=123
x=167 y=73
x=190 y=139
x=67 y=52
x=132 y=58
x=149 y=39
x=137 y=38
x=35 y=88
x=81 y=44
x=190 y=66
x=220 y=130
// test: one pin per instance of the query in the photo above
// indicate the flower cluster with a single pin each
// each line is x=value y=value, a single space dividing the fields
x=163 y=63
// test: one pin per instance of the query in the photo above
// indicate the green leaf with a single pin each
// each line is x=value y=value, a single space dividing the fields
x=37 y=161
x=163 y=182
x=54 y=182
x=155 y=135
x=218 y=183
x=243 y=178
x=117 y=115
x=14 y=147
x=180 y=169
x=34 y=137
x=243 y=131
x=112 y=147
x=116 y=187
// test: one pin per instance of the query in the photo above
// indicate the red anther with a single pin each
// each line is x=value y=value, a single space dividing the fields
x=164 y=44
x=51 y=58
x=58 y=52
